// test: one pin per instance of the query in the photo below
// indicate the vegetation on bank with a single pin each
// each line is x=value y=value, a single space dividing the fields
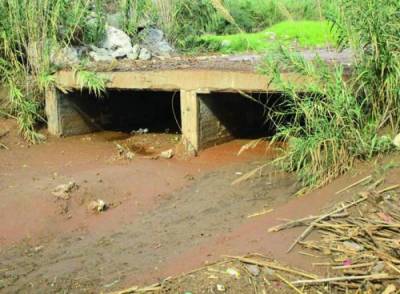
x=339 y=120
x=298 y=34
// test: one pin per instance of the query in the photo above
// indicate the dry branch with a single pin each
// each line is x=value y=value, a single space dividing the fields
x=346 y=278
x=354 y=184
x=323 y=217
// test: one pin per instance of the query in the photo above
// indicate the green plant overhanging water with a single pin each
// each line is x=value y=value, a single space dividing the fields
x=323 y=122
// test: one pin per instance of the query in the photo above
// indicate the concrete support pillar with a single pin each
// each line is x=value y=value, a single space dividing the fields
x=65 y=117
x=53 y=112
x=190 y=120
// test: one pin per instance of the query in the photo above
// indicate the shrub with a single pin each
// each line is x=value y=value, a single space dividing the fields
x=31 y=31
x=339 y=120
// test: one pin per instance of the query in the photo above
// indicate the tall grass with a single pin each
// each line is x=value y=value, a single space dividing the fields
x=30 y=33
x=372 y=30
x=339 y=120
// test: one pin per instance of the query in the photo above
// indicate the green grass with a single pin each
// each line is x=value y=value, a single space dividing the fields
x=304 y=34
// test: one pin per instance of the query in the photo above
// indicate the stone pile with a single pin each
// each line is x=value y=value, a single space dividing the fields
x=117 y=45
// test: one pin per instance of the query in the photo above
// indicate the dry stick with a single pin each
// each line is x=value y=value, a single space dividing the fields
x=354 y=184
x=353 y=266
x=347 y=278
x=391 y=265
x=289 y=284
x=389 y=189
x=300 y=222
x=3 y=146
x=272 y=266
x=311 y=227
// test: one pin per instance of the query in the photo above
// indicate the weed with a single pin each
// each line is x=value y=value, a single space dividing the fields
x=31 y=31
x=323 y=122
x=91 y=81
x=372 y=30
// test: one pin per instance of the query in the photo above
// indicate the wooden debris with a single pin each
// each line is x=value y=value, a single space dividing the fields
x=363 y=246
x=347 y=278
x=323 y=217
x=354 y=184
x=289 y=284
x=265 y=211
x=391 y=188
x=272 y=265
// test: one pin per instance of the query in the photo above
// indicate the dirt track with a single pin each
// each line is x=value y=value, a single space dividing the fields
x=166 y=216
x=159 y=209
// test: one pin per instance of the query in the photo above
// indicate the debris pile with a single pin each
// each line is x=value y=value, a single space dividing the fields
x=361 y=238
x=250 y=274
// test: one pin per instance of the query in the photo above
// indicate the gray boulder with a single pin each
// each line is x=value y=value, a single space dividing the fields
x=135 y=53
x=117 y=43
x=100 y=54
x=155 y=41
x=67 y=55
x=145 y=54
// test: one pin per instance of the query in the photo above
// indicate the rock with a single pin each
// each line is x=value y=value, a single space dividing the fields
x=64 y=191
x=155 y=41
x=396 y=141
x=353 y=246
x=140 y=131
x=145 y=54
x=67 y=55
x=167 y=154
x=134 y=54
x=117 y=42
x=253 y=269
x=97 y=206
x=100 y=54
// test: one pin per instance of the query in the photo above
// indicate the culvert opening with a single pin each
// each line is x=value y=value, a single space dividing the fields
x=227 y=116
x=127 y=111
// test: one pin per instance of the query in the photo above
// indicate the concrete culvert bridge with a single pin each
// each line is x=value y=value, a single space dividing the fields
x=200 y=98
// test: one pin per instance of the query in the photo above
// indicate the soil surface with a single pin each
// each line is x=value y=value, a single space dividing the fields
x=164 y=216
x=240 y=62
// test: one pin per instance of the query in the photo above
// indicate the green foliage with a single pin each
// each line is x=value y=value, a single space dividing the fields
x=91 y=81
x=256 y=15
x=372 y=30
x=338 y=121
x=191 y=19
x=135 y=11
x=30 y=32
x=303 y=34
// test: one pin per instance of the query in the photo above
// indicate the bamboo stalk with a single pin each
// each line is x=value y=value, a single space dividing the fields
x=346 y=278
x=354 y=184
x=272 y=266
